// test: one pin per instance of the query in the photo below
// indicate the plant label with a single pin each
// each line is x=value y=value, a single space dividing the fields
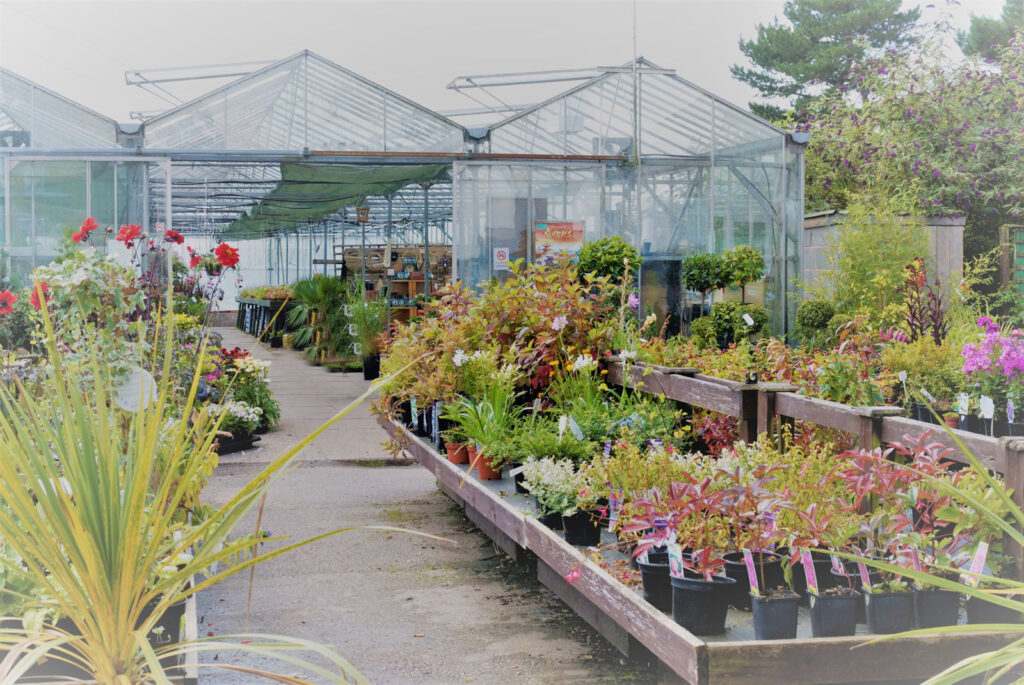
x=1009 y=410
x=748 y=319
x=865 y=577
x=574 y=427
x=977 y=564
x=356 y=350
x=607 y=449
x=928 y=396
x=434 y=427
x=412 y=408
x=988 y=407
x=837 y=565
x=348 y=310
x=352 y=330
x=809 y=573
x=963 y=403
x=915 y=559
x=536 y=406
x=563 y=423
x=748 y=559
x=675 y=560
x=613 y=510
x=517 y=470
x=655 y=443
x=902 y=375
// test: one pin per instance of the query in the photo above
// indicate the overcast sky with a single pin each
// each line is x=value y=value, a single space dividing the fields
x=82 y=49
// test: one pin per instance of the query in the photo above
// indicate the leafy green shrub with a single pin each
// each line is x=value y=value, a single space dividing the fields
x=812 y=321
x=606 y=257
x=744 y=265
x=726 y=325
x=704 y=272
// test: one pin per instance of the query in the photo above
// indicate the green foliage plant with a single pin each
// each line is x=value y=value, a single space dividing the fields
x=812 y=321
x=744 y=265
x=557 y=485
x=369 y=318
x=704 y=272
x=90 y=514
x=610 y=256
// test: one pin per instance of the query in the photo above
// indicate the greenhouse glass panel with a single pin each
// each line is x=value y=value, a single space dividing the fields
x=32 y=116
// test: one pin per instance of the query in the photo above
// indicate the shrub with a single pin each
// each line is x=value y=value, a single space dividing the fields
x=704 y=272
x=812 y=321
x=606 y=257
x=744 y=265
x=726 y=325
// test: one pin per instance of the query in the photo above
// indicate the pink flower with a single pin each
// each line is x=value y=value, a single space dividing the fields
x=559 y=323
x=634 y=301
x=572 y=576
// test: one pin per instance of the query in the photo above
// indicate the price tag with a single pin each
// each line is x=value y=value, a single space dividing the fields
x=963 y=403
x=977 y=564
x=988 y=407
x=809 y=573
x=865 y=577
x=748 y=559
x=675 y=560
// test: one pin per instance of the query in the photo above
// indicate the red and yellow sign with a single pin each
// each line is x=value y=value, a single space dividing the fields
x=551 y=238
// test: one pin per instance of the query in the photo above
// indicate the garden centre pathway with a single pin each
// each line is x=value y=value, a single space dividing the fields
x=403 y=609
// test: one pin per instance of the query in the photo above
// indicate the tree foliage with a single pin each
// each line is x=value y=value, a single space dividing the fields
x=937 y=138
x=986 y=35
x=822 y=44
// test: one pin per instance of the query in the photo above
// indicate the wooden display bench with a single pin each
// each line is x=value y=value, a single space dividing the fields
x=641 y=631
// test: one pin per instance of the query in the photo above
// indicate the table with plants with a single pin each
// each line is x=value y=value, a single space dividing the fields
x=780 y=551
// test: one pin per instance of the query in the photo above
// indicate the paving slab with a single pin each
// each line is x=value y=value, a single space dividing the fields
x=401 y=608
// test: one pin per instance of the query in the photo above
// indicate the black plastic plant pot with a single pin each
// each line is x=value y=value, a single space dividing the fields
x=889 y=612
x=371 y=367
x=552 y=521
x=582 y=528
x=700 y=606
x=852 y=580
x=981 y=611
x=834 y=615
x=519 y=479
x=775 y=616
x=769 y=575
x=402 y=411
x=657 y=585
x=934 y=608
x=822 y=572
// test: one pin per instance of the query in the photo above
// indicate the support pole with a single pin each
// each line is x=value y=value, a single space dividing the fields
x=426 y=239
x=325 y=246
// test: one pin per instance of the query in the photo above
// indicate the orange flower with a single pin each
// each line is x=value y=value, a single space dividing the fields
x=88 y=226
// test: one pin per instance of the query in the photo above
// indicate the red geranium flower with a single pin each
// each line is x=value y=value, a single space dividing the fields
x=7 y=300
x=40 y=287
x=226 y=255
x=88 y=226
x=128 y=234
x=174 y=237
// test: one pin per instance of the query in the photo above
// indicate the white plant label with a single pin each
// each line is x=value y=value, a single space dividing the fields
x=1009 y=410
x=356 y=349
x=988 y=407
x=977 y=563
x=748 y=319
x=575 y=429
x=927 y=395
x=902 y=375
x=517 y=470
x=963 y=403
x=563 y=423
x=348 y=310
x=137 y=392
x=675 y=560
x=352 y=329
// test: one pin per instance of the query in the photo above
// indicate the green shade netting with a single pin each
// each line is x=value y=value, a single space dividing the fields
x=310 y=192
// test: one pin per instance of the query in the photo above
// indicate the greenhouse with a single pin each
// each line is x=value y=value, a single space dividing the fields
x=303 y=160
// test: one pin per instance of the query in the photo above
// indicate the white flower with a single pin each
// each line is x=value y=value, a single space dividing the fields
x=583 y=362
x=460 y=358
x=627 y=354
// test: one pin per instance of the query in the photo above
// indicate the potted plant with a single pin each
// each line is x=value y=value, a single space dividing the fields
x=487 y=422
x=455 y=445
x=744 y=265
x=562 y=493
x=237 y=425
x=369 y=318
x=703 y=273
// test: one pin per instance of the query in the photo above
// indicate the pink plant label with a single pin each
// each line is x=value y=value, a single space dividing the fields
x=978 y=563
x=915 y=559
x=675 y=560
x=809 y=574
x=864 y=576
x=748 y=559
x=837 y=565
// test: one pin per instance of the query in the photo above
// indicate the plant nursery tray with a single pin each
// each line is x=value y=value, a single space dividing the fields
x=638 y=629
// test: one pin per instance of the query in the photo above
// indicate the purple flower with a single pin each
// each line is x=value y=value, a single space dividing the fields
x=935 y=175
x=634 y=301
x=559 y=322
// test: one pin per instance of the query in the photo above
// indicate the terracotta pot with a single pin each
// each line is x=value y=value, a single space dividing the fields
x=457 y=454
x=952 y=420
x=483 y=469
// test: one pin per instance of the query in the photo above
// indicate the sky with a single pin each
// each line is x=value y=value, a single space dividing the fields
x=81 y=49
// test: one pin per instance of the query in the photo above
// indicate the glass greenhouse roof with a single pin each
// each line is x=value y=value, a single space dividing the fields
x=677 y=119
x=304 y=101
x=33 y=117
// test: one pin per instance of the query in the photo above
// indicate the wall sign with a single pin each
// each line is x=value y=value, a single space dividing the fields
x=551 y=238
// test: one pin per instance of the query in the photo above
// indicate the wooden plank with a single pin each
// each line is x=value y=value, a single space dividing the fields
x=830 y=660
x=690 y=390
x=588 y=611
x=821 y=412
x=988 y=450
x=667 y=640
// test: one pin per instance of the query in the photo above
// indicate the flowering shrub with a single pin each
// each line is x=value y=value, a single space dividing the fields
x=240 y=419
x=995 y=366
x=558 y=487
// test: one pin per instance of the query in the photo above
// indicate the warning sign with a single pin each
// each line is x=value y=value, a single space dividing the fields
x=501 y=257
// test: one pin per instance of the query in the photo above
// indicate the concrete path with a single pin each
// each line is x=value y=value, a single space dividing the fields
x=401 y=608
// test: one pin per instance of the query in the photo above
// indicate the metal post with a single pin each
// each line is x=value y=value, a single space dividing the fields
x=426 y=239
x=362 y=266
x=325 y=246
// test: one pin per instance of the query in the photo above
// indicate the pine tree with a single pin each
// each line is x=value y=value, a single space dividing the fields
x=821 y=44
x=986 y=35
